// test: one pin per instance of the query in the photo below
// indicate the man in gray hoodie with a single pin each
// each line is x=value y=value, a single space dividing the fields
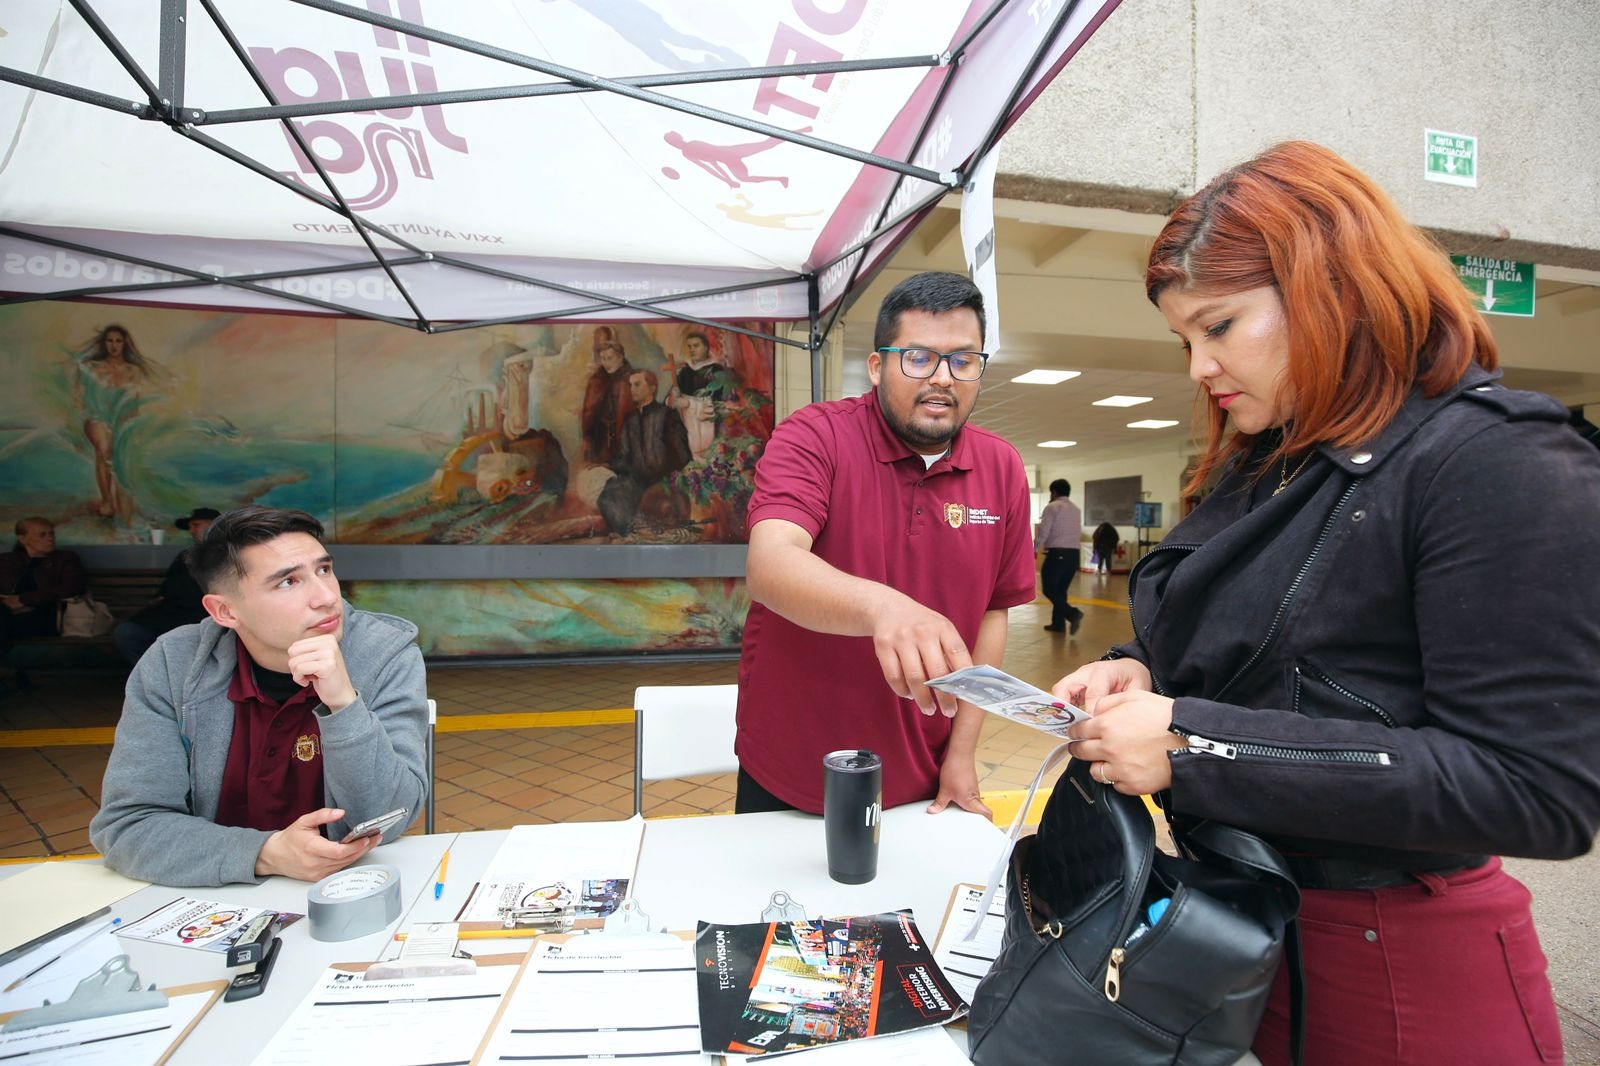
x=252 y=741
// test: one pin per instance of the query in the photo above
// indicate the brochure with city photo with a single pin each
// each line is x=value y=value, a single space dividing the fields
x=999 y=693
x=198 y=923
x=776 y=987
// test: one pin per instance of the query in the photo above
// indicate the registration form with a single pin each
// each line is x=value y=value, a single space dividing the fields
x=963 y=961
x=604 y=996
x=407 y=1022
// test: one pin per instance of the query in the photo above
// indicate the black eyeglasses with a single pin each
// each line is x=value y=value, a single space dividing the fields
x=924 y=363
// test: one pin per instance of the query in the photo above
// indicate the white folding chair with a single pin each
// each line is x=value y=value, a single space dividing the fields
x=681 y=731
x=433 y=722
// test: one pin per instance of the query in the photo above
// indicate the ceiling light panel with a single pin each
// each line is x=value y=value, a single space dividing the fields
x=1045 y=377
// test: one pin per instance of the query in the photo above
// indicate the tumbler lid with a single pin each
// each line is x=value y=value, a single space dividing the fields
x=852 y=760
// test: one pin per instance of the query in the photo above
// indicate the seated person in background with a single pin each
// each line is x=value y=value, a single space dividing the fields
x=250 y=743
x=178 y=602
x=34 y=579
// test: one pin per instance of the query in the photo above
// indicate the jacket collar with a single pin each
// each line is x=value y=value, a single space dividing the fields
x=1361 y=459
x=888 y=448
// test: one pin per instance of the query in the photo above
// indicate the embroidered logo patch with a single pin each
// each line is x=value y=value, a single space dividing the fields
x=957 y=515
x=306 y=747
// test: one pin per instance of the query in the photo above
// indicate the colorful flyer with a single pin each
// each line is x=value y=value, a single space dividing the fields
x=999 y=693
x=776 y=987
x=197 y=923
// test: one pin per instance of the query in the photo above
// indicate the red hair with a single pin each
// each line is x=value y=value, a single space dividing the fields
x=1372 y=304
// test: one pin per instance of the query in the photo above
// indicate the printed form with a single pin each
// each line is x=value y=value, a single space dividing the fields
x=602 y=997
x=965 y=962
x=346 y=1018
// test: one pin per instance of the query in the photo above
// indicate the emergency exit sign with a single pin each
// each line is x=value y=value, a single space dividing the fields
x=1450 y=157
x=1497 y=286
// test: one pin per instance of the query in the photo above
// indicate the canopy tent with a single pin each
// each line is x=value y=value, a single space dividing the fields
x=448 y=165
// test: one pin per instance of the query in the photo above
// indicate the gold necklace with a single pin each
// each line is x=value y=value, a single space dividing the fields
x=1286 y=477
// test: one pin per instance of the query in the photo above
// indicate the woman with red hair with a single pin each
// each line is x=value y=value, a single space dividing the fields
x=1348 y=647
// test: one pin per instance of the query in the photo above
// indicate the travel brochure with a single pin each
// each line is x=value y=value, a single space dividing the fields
x=999 y=693
x=777 y=987
x=198 y=923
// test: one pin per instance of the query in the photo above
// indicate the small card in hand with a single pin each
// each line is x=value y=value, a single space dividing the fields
x=999 y=693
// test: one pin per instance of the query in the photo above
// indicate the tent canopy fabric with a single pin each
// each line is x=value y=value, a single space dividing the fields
x=443 y=164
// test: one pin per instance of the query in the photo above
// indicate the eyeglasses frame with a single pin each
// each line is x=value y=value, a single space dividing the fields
x=943 y=357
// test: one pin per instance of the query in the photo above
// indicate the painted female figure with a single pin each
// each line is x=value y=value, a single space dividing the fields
x=111 y=376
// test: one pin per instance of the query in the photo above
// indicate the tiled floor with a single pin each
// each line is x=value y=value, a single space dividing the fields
x=556 y=765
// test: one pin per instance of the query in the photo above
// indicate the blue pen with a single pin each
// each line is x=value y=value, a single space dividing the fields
x=438 y=886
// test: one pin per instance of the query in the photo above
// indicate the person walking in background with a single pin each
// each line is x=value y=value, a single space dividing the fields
x=34 y=578
x=1335 y=649
x=1059 y=537
x=1105 y=540
x=178 y=602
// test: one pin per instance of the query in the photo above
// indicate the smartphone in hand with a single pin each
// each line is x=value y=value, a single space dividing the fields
x=375 y=826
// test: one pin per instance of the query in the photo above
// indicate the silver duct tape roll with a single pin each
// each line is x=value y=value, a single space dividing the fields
x=353 y=902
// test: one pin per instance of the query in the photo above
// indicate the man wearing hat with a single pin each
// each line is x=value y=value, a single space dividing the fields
x=178 y=603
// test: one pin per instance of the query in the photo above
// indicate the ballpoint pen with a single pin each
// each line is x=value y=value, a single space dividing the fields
x=96 y=931
x=444 y=865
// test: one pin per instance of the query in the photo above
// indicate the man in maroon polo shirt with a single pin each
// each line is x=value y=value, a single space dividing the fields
x=886 y=540
x=251 y=742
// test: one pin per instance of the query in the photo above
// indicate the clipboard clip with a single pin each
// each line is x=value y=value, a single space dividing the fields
x=110 y=990
x=552 y=909
x=627 y=920
x=783 y=907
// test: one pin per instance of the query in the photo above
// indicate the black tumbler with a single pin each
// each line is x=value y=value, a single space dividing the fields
x=852 y=805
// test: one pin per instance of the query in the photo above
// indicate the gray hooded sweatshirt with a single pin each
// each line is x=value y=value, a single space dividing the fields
x=163 y=782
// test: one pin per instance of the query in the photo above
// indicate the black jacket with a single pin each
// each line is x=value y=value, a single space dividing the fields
x=1397 y=669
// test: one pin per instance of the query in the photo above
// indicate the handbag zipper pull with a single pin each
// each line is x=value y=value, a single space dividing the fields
x=1213 y=747
x=1114 y=973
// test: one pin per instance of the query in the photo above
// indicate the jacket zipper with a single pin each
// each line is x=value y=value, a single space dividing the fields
x=1318 y=675
x=1232 y=750
x=1294 y=588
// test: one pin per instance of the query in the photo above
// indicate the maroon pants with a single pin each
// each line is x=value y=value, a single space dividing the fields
x=1444 y=971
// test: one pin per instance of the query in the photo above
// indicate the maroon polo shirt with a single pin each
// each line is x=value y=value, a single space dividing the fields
x=274 y=769
x=954 y=537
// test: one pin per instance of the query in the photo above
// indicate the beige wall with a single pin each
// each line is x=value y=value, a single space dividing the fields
x=1169 y=92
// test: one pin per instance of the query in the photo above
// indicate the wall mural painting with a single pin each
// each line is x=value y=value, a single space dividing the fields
x=114 y=419
x=591 y=434
x=512 y=618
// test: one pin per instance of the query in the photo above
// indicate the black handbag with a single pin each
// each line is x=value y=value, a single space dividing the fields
x=1084 y=975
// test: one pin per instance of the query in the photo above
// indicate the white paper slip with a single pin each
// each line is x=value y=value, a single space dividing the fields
x=345 y=1018
x=922 y=1047
x=593 y=862
x=1012 y=698
x=965 y=962
x=135 y=1039
x=602 y=997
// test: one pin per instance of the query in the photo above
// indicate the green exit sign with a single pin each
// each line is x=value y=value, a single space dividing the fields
x=1450 y=157
x=1497 y=286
